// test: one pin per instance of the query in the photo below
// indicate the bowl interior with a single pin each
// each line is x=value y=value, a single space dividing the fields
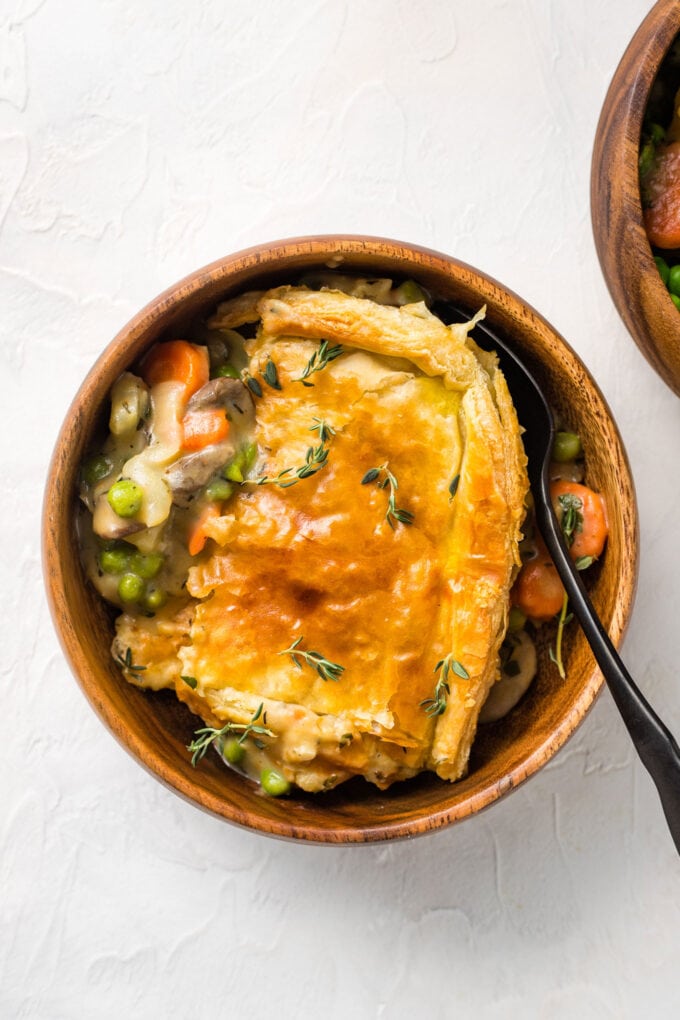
x=156 y=728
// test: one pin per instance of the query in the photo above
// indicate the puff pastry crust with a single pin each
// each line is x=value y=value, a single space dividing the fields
x=319 y=560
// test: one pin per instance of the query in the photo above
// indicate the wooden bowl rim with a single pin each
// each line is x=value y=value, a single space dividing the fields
x=117 y=355
x=615 y=158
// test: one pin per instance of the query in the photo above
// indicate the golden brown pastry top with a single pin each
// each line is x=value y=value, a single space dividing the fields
x=320 y=560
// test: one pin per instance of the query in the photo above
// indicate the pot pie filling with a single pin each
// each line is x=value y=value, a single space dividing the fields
x=315 y=547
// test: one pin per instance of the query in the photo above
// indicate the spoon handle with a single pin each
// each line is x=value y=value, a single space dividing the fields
x=653 y=741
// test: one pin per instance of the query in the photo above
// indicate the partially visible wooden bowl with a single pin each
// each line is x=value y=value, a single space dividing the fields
x=155 y=728
x=622 y=244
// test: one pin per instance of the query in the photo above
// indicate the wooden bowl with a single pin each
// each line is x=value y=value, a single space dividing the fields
x=155 y=728
x=622 y=244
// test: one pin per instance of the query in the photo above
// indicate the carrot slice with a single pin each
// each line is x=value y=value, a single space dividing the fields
x=538 y=590
x=197 y=536
x=589 y=538
x=177 y=361
x=203 y=428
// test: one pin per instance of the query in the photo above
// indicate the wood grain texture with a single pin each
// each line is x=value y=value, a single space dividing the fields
x=620 y=238
x=155 y=728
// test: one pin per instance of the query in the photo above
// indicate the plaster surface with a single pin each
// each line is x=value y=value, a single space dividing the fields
x=138 y=142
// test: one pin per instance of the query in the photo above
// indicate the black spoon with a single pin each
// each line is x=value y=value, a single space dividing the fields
x=653 y=741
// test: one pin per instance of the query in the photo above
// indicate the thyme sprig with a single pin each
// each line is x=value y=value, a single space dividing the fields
x=208 y=735
x=571 y=522
x=562 y=620
x=326 y=669
x=436 y=705
x=315 y=459
x=319 y=360
x=393 y=513
x=126 y=664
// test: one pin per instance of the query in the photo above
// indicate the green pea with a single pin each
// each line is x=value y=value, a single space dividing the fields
x=233 y=471
x=646 y=158
x=233 y=750
x=154 y=598
x=240 y=463
x=125 y=497
x=657 y=133
x=219 y=490
x=226 y=372
x=674 y=280
x=662 y=266
x=676 y=301
x=516 y=620
x=274 y=782
x=237 y=462
x=146 y=566
x=566 y=447
x=130 y=587
x=409 y=292
x=95 y=468
x=114 y=561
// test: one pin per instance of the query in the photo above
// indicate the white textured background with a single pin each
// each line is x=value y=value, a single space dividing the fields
x=137 y=142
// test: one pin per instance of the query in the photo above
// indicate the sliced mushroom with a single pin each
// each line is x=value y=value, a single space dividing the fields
x=518 y=670
x=190 y=473
x=109 y=525
x=228 y=393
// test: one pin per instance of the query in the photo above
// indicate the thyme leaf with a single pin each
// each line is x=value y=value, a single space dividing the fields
x=572 y=518
x=453 y=487
x=126 y=664
x=208 y=735
x=271 y=375
x=252 y=383
x=370 y=476
x=190 y=681
x=319 y=360
x=326 y=669
x=436 y=705
x=393 y=513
